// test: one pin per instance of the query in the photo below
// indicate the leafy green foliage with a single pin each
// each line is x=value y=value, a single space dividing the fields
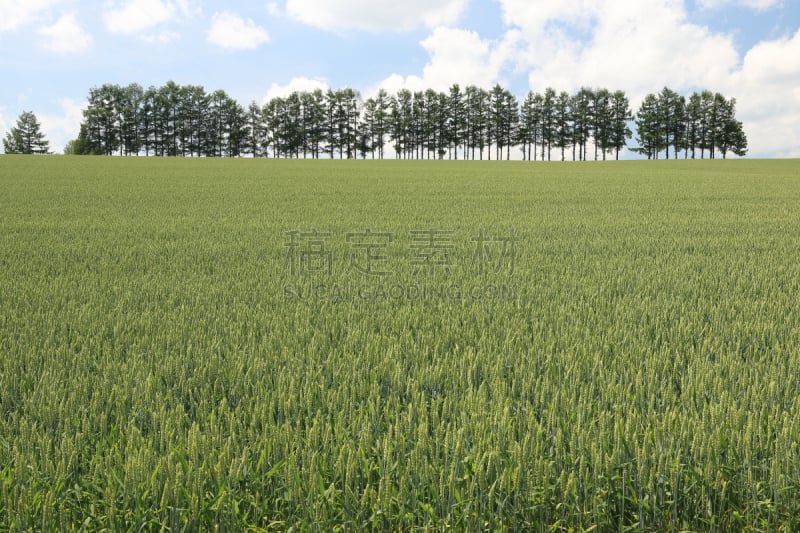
x=155 y=375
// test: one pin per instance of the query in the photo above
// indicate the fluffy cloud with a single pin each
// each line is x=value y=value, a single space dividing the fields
x=61 y=128
x=135 y=16
x=643 y=46
x=377 y=15
x=639 y=47
x=232 y=32
x=767 y=91
x=298 y=84
x=65 y=36
x=14 y=14
x=457 y=56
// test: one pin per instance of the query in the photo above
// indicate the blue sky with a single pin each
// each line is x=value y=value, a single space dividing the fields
x=53 y=51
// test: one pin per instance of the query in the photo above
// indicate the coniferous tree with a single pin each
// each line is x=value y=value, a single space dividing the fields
x=648 y=127
x=729 y=134
x=671 y=107
x=706 y=135
x=376 y=116
x=400 y=118
x=563 y=129
x=599 y=118
x=693 y=125
x=620 y=117
x=26 y=137
x=601 y=113
x=511 y=121
x=548 y=118
x=456 y=120
x=496 y=119
x=477 y=101
x=528 y=126
x=584 y=120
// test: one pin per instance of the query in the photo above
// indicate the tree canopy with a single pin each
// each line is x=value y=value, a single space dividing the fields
x=26 y=137
x=706 y=123
x=469 y=122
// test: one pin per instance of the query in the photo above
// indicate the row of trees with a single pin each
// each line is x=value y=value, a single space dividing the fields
x=704 y=122
x=172 y=120
x=472 y=123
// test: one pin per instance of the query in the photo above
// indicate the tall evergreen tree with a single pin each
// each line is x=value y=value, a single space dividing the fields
x=130 y=101
x=400 y=122
x=456 y=120
x=648 y=127
x=584 y=120
x=497 y=117
x=527 y=126
x=729 y=134
x=672 y=110
x=602 y=115
x=26 y=137
x=474 y=105
x=256 y=132
x=477 y=104
x=549 y=126
x=563 y=123
x=376 y=120
x=511 y=121
x=707 y=124
x=314 y=103
x=693 y=125
x=620 y=118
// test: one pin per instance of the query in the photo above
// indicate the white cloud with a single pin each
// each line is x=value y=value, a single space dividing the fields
x=65 y=36
x=16 y=13
x=759 y=5
x=457 y=56
x=643 y=46
x=639 y=47
x=61 y=128
x=298 y=84
x=768 y=98
x=133 y=17
x=376 y=15
x=231 y=31
x=274 y=9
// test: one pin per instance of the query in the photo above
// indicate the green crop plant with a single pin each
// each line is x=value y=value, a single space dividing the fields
x=170 y=360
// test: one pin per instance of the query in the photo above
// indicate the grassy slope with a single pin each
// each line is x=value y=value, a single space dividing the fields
x=153 y=370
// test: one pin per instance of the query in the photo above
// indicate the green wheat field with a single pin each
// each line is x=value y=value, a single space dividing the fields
x=199 y=345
